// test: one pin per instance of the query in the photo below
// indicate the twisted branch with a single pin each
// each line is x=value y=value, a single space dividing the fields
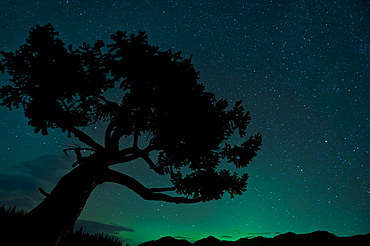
x=146 y=193
x=84 y=138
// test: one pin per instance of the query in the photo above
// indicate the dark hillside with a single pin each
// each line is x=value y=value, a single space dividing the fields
x=11 y=219
x=317 y=238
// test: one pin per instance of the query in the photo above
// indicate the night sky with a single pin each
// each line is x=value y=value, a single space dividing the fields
x=300 y=67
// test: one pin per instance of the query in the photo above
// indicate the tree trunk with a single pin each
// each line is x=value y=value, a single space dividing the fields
x=50 y=222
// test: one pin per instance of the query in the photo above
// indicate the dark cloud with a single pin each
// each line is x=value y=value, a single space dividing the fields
x=97 y=227
x=18 y=190
x=259 y=233
x=49 y=168
x=16 y=183
x=186 y=237
x=226 y=236
x=19 y=187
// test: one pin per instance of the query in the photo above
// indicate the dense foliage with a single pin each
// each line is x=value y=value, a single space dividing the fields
x=67 y=88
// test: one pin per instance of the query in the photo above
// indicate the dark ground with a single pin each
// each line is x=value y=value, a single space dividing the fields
x=317 y=238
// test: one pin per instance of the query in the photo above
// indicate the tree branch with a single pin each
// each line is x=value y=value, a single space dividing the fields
x=112 y=135
x=161 y=189
x=42 y=191
x=85 y=138
x=113 y=107
x=136 y=139
x=133 y=153
x=108 y=135
x=77 y=151
x=146 y=193
x=151 y=163
x=126 y=155
x=151 y=147
x=125 y=159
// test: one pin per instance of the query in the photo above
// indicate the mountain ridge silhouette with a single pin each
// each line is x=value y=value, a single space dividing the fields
x=316 y=238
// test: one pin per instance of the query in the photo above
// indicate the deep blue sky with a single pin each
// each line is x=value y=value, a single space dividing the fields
x=301 y=68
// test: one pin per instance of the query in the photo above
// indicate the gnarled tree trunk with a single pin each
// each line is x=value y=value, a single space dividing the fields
x=54 y=217
x=51 y=221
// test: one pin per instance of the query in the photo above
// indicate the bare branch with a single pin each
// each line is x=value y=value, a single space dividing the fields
x=77 y=149
x=151 y=163
x=42 y=191
x=107 y=135
x=125 y=159
x=161 y=189
x=150 y=148
x=128 y=151
x=146 y=193
x=126 y=155
x=115 y=136
x=133 y=153
x=85 y=138
x=136 y=139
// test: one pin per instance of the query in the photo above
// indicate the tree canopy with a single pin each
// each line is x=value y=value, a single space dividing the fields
x=59 y=86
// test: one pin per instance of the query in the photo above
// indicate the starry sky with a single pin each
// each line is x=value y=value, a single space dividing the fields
x=300 y=67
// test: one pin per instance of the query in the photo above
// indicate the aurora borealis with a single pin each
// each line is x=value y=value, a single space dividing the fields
x=300 y=67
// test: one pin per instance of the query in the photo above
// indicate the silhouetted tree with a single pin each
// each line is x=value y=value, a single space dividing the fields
x=186 y=128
